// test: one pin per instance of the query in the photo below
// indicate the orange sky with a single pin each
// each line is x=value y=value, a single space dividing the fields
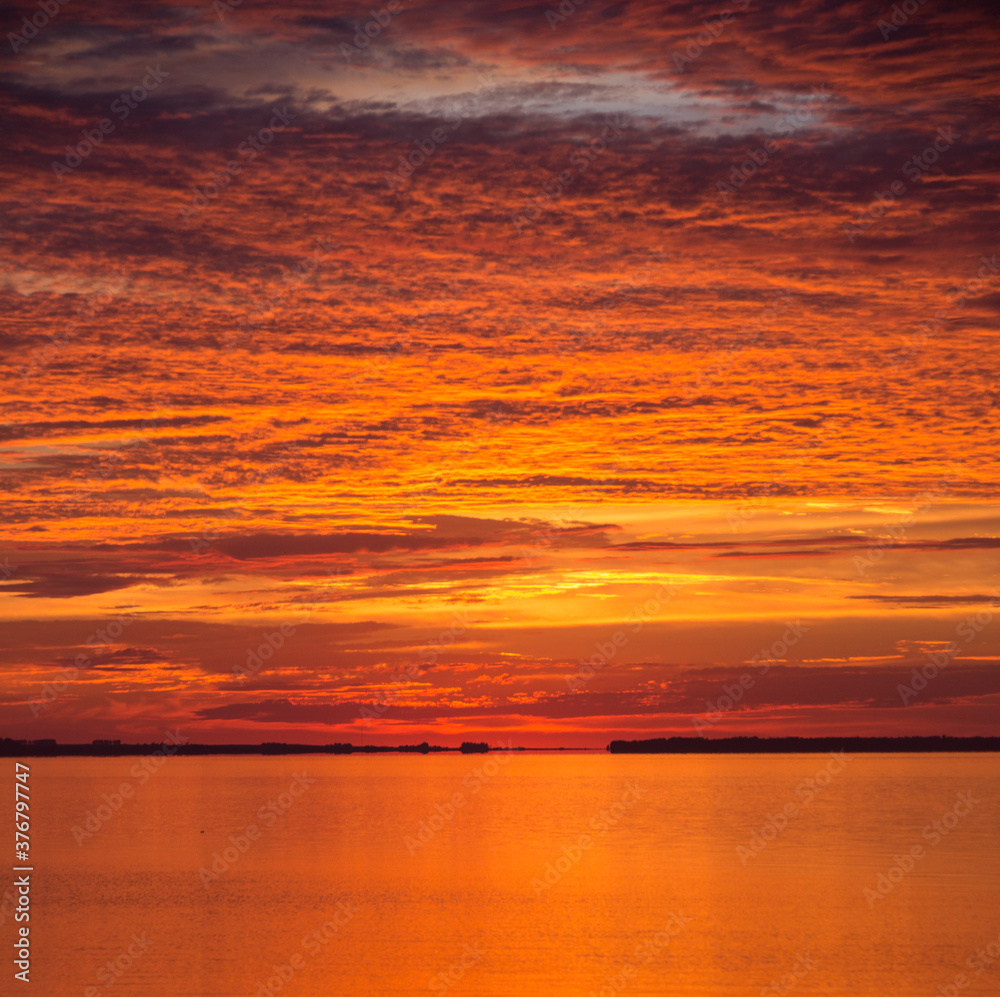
x=497 y=342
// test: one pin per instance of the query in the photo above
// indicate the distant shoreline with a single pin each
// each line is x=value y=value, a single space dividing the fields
x=175 y=745
x=789 y=745
x=657 y=746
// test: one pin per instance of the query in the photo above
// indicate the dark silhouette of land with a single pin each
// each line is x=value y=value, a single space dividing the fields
x=783 y=745
x=104 y=747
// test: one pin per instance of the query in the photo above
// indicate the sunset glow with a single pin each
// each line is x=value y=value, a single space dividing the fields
x=531 y=379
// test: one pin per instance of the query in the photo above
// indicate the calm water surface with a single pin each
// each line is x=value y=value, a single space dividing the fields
x=376 y=878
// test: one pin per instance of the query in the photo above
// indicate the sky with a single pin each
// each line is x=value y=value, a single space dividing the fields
x=532 y=373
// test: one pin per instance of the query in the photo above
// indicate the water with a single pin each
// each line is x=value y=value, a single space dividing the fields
x=673 y=895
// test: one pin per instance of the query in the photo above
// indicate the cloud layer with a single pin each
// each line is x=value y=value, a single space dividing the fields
x=501 y=310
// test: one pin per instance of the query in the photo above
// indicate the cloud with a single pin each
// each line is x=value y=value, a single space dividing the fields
x=506 y=316
x=929 y=601
x=696 y=694
x=65 y=584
